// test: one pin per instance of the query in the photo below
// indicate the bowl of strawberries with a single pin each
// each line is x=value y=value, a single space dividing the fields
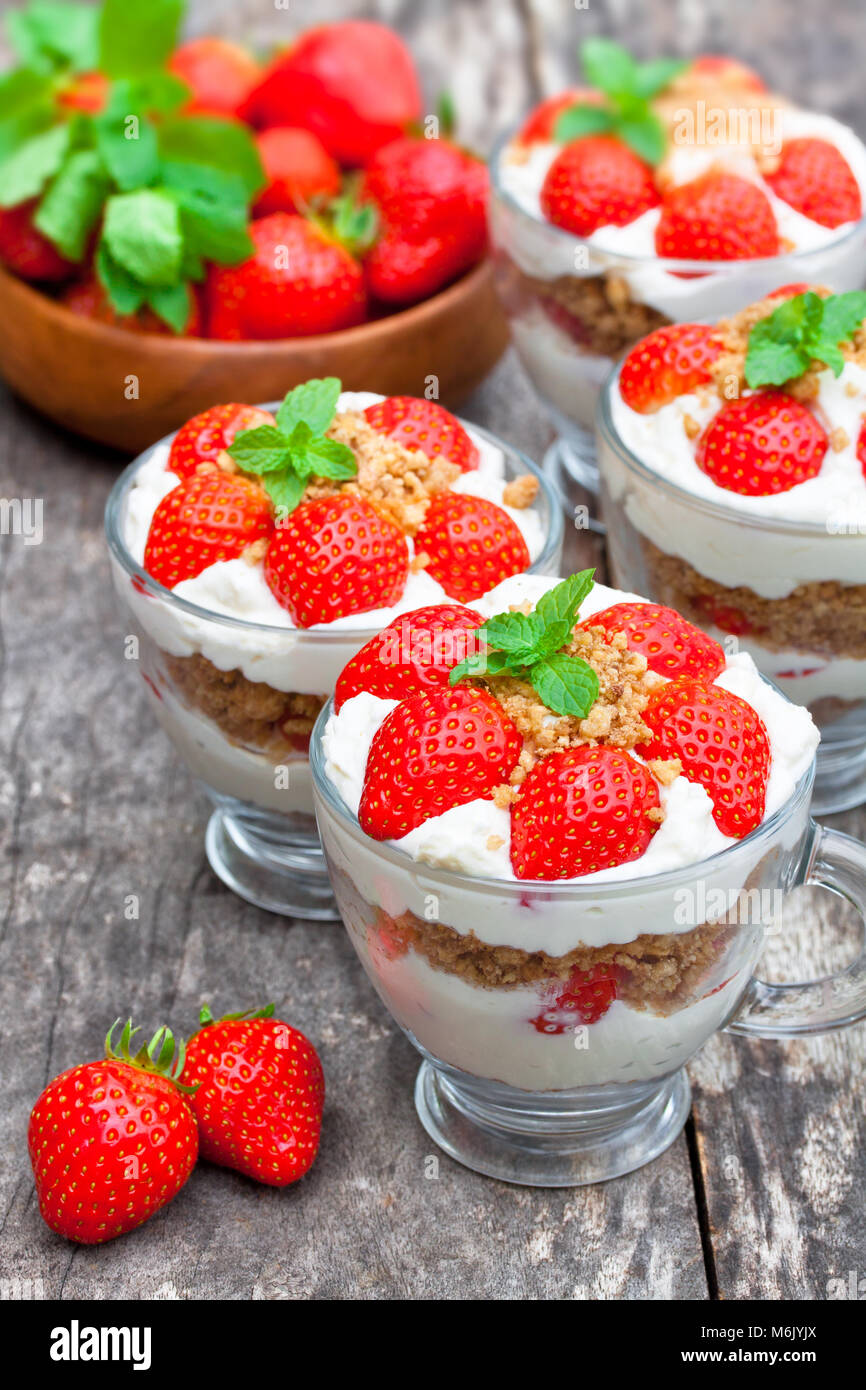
x=182 y=222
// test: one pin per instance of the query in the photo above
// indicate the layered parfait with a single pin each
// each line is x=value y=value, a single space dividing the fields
x=733 y=461
x=540 y=814
x=660 y=193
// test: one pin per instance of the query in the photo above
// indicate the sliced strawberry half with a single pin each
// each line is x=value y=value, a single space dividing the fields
x=672 y=645
x=816 y=179
x=424 y=425
x=412 y=655
x=203 y=438
x=207 y=518
x=585 y=998
x=597 y=182
x=471 y=545
x=717 y=217
x=666 y=364
x=762 y=444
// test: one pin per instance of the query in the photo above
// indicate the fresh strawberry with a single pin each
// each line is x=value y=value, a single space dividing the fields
x=580 y=810
x=717 y=217
x=722 y=615
x=387 y=940
x=762 y=444
x=411 y=656
x=112 y=1142
x=728 y=72
x=789 y=291
x=87 y=92
x=352 y=83
x=861 y=448
x=672 y=646
x=220 y=75
x=209 y=517
x=540 y=124
x=471 y=544
x=722 y=744
x=432 y=202
x=203 y=438
x=816 y=179
x=594 y=182
x=298 y=169
x=585 y=998
x=666 y=364
x=88 y=299
x=334 y=556
x=26 y=251
x=298 y=282
x=424 y=425
x=431 y=753
x=259 y=1095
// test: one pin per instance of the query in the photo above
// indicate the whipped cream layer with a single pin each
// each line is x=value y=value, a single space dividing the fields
x=738 y=549
x=822 y=254
x=458 y=840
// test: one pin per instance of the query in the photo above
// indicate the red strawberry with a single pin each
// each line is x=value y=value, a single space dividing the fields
x=471 y=543
x=817 y=180
x=203 y=438
x=671 y=645
x=729 y=72
x=581 y=810
x=259 y=1097
x=297 y=282
x=861 y=448
x=88 y=92
x=209 y=517
x=352 y=83
x=89 y=300
x=723 y=615
x=220 y=75
x=298 y=168
x=788 y=291
x=722 y=744
x=585 y=998
x=112 y=1142
x=424 y=425
x=540 y=124
x=412 y=655
x=26 y=251
x=666 y=364
x=432 y=752
x=334 y=556
x=596 y=182
x=717 y=217
x=762 y=444
x=432 y=201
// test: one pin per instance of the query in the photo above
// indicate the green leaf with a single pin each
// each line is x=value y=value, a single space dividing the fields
x=645 y=135
x=447 y=113
x=285 y=491
x=826 y=351
x=128 y=147
x=802 y=330
x=220 y=144
x=125 y=292
x=21 y=90
x=608 y=65
x=769 y=363
x=653 y=77
x=136 y=36
x=480 y=664
x=261 y=450
x=52 y=36
x=517 y=633
x=71 y=208
x=313 y=402
x=563 y=603
x=578 y=121
x=25 y=173
x=172 y=305
x=328 y=458
x=154 y=92
x=843 y=315
x=566 y=684
x=214 y=210
x=143 y=234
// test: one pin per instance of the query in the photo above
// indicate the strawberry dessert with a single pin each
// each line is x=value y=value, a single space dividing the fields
x=257 y=551
x=541 y=813
x=733 y=463
x=662 y=192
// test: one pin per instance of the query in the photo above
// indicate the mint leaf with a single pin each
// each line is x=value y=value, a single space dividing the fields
x=843 y=315
x=49 y=36
x=645 y=135
x=565 y=600
x=142 y=232
x=628 y=87
x=220 y=144
x=128 y=148
x=653 y=77
x=125 y=292
x=295 y=449
x=25 y=173
x=285 y=491
x=608 y=66
x=513 y=632
x=213 y=210
x=26 y=104
x=172 y=305
x=578 y=121
x=566 y=684
x=71 y=208
x=313 y=402
x=154 y=92
x=479 y=664
x=260 y=450
x=136 y=36
x=328 y=458
x=803 y=330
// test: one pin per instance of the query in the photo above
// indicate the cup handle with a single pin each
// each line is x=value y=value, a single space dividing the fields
x=837 y=862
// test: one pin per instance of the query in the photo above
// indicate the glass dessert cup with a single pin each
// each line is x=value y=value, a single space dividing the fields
x=677 y=549
x=446 y=954
x=575 y=310
x=224 y=689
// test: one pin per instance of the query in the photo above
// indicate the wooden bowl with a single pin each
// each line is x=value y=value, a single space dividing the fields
x=129 y=389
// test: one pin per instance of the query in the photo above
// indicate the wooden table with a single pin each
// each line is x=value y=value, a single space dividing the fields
x=760 y=1197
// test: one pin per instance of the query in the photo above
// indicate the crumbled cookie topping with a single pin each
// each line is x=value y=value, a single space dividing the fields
x=521 y=492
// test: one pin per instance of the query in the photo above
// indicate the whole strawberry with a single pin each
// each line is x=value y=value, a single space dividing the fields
x=298 y=168
x=112 y=1142
x=597 y=182
x=666 y=364
x=471 y=544
x=259 y=1094
x=88 y=299
x=816 y=179
x=203 y=438
x=672 y=645
x=24 y=250
x=333 y=556
x=209 y=517
x=220 y=75
x=717 y=217
x=299 y=281
x=412 y=655
x=762 y=444
x=425 y=425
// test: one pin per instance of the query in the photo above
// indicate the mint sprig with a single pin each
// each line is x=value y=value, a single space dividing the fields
x=286 y=455
x=528 y=646
x=801 y=331
x=628 y=87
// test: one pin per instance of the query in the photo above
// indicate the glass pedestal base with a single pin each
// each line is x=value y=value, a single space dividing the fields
x=271 y=864
x=840 y=781
x=554 y=1139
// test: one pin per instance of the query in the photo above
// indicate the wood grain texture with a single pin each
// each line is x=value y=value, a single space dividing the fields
x=94 y=807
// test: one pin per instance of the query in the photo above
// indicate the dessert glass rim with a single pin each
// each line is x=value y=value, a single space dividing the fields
x=668 y=263
x=556 y=888
x=743 y=516
x=145 y=582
